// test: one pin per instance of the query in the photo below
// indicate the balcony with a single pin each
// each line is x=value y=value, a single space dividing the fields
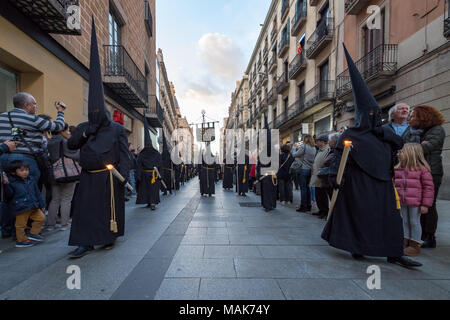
x=155 y=114
x=273 y=64
x=322 y=92
x=123 y=76
x=273 y=35
x=353 y=7
x=298 y=21
x=293 y=111
x=283 y=46
x=321 y=37
x=313 y=3
x=297 y=65
x=265 y=53
x=52 y=16
x=284 y=9
x=259 y=65
x=272 y=96
x=375 y=67
x=282 y=83
x=447 y=19
x=259 y=86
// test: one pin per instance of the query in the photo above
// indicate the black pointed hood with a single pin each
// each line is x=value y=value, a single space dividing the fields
x=364 y=100
x=165 y=153
x=147 y=139
x=97 y=114
x=149 y=157
x=269 y=137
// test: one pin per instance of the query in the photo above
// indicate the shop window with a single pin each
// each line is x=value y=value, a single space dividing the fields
x=8 y=88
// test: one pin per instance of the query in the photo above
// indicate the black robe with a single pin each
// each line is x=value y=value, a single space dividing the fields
x=92 y=203
x=147 y=182
x=243 y=175
x=228 y=170
x=207 y=178
x=365 y=219
x=268 y=188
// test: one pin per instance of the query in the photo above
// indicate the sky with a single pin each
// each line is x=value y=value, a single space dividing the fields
x=207 y=45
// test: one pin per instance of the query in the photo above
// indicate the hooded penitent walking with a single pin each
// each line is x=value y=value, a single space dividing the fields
x=366 y=217
x=227 y=175
x=207 y=176
x=268 y=182
x=99 y=206
x=147 y=180
x=167 y=171
x=243 y=175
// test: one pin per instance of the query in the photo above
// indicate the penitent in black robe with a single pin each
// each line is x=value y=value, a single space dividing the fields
x=147 y=181
x=243 y=175
x=228 y=176
x=92 y=203
x=268 y=185
x=207 y=178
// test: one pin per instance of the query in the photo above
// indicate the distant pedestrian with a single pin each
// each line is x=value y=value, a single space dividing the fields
x=415 y=187
x=322 y=188
x=25 y=202
x=284 y=176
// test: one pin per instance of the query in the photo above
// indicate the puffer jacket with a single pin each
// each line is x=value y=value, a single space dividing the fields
x=415 y=188
x=23 y=195
x=319 y=163
x=432 y=150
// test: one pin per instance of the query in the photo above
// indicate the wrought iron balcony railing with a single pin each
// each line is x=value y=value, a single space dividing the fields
x=52 y=16
x=299 y=20
x=323 y=91
x=265 y=53
x=313 y=3
x=273 y=63
x=124 y=77
x=272 y=95
x=155 y=114
x=380 y=62
x=297 y=65
x=273 y=35
x=321 y=37
x=353 y=7
x=294 y=110
x=282 y=83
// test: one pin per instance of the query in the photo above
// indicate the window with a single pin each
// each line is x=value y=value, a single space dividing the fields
x=322 y=126
x=324 y=72
x=301 y=91
x=8 y=88
x=286 y=104
x=148 y=18
x=374 y=37
x=115 y=37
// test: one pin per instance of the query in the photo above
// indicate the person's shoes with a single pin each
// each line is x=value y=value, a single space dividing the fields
x=429 y=242
x=283 y=203
x=404 y=262
x=413 y=250
x=357 y=256
x=323 y=216
x=302 y=209
x=35 y=237
x=108 y=246
x=244 y=195
x=318 y=214
x=64 y=228
x=309 y=208
x=24 y=244
x=152 y=207
x=127 y=199
x=80 y=252
x=405 y=243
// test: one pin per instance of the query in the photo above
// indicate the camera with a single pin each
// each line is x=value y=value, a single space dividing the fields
x=17 y=133
x=60 y=104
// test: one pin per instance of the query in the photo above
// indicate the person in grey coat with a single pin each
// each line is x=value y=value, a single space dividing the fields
x=305 y=157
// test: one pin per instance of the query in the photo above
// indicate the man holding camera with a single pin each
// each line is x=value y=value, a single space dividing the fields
x=26 y=130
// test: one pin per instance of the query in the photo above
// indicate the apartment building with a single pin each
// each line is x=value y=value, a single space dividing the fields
x=406 y=60
x=43 y=52
x=292 y=69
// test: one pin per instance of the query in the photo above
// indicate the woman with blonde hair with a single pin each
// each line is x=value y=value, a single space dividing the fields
x=415 y=187
x=305 y=158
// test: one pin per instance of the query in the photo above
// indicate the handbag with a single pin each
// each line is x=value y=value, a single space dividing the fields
x=65 y=170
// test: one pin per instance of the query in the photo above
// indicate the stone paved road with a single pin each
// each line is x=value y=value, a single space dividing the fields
x=194 y=247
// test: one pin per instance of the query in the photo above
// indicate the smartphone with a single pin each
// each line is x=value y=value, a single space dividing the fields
x=60 y=104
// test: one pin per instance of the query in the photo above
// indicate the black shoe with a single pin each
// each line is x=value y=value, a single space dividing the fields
x=357 y=256
x=318 y=214
x=429 y=242
x=404 y=262
x=153 y=207
x=302 y=209
x=127 y=199
x=323 y=216
x=108 y=246
x=80 y=252
x=244 y=195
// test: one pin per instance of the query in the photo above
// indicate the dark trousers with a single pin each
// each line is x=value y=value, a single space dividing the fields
x=7 y=219
x=250 y=183
x=323 y=195
x=305 y=190
x=429 y=221
x=285 y=189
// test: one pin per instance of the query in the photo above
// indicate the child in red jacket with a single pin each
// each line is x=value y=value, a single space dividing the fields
x=414 y=184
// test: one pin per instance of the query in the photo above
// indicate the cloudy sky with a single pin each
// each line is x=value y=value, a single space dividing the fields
x=207 y=45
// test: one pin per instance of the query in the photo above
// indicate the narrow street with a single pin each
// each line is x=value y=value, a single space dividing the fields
x=195 y=247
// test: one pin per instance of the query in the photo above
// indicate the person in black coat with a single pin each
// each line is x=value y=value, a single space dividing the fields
x=243 y=175
x=207 y=175
x=228 y=169
x=366 y=217
x=284 y=176
x=99 y=207
x=267 y=180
